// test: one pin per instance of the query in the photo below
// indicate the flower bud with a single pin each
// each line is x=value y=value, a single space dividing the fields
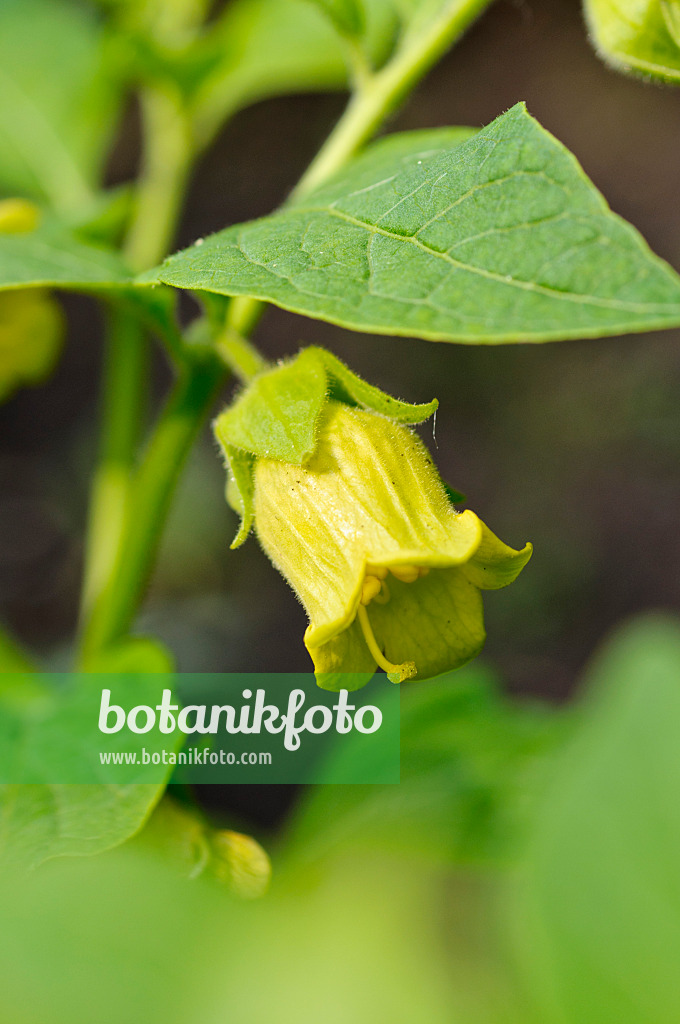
x=31 y=330
x=641 y=37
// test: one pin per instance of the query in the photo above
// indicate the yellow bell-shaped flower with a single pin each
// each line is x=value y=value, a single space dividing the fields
x=388 y=571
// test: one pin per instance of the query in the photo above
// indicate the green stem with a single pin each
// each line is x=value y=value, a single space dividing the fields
x=242 y=358
x=167 y=160
x=383 y=91
x=124 y=374
x=149 y=501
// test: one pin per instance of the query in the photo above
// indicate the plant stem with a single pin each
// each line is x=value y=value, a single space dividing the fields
x=149 y=501
x=384 y=90
x=243 y=359
x=167 y=160
x=122 y=400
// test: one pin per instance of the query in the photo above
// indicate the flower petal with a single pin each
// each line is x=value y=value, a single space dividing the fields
x=436 y=622
x=494 y=564
x=343 y=663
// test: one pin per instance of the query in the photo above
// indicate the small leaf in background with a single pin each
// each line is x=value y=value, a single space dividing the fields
x=58 y=101
x=31 y=332
x=47 y=735
x=346 y=15
x=499 y=239
x=641 y=37
x=274 y=47
x=596 y=913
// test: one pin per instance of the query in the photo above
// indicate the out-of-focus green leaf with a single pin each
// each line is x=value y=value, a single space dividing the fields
x=499 y=239
x=40 y=822
x=274 y=47
x=107 y=939
x=346 y=15
x=48 y=733
x=52 y=257
x=31 y=329
x=640 y=36
x=58 y=101
x=464 y=753
x=597 y=909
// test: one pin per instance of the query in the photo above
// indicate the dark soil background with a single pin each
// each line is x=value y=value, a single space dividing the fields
x=574 y=446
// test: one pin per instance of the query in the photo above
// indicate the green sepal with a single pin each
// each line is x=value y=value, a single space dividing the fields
x=277 y=417
x=240 y=493
x=369 y=397
x=454 y=496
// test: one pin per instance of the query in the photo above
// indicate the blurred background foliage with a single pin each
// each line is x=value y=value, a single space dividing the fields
x=526 y=868
x=524 y=872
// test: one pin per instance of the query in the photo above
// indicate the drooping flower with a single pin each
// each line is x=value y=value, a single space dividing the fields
x=363 y=529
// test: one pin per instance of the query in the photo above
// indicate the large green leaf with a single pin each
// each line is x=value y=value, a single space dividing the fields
x=57 y=101
x=499 y=239
x=597 y=914
x=641 y=36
